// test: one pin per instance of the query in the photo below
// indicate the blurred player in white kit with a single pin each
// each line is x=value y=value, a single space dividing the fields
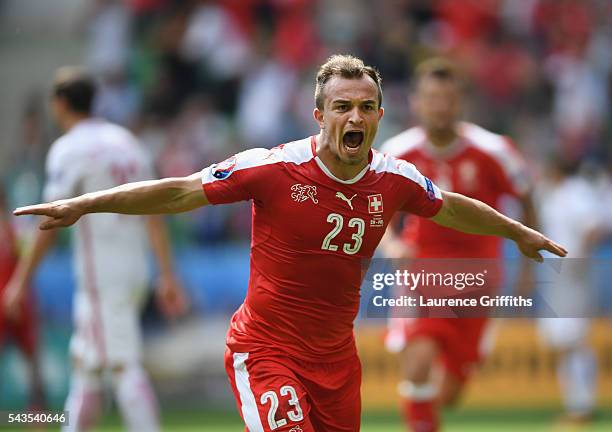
x=571 y=211
x=110 y=259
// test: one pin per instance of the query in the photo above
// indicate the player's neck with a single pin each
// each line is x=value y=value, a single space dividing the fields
x=70 y=120
x=442 y=138
x=339 y=169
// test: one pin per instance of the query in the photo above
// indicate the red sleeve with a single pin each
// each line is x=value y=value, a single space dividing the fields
x=239 y=178
x=423 y=197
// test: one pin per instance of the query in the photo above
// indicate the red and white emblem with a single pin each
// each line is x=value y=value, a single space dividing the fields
x=375 y=203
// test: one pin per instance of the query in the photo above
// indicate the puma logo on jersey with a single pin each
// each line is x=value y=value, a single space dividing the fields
x=302 y=192
x=344 y=198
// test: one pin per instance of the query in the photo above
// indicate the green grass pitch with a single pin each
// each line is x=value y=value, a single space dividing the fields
x=476 y=421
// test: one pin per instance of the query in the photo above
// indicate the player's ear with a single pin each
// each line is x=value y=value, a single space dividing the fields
x=318 y=116
x=381 y=113
x=58 y=108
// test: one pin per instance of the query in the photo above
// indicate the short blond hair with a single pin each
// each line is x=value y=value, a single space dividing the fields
x=345 y=66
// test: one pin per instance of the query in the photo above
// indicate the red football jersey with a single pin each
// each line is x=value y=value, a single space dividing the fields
x=479 y=164
x=311 y=235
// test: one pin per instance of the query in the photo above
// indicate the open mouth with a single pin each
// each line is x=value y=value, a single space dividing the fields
x=352 y=140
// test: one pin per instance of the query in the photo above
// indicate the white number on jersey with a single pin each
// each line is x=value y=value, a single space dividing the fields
x=338 y=222
x=295 y=416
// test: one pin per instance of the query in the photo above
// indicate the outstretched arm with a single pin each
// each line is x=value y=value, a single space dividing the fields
x=169 y=195
x=475 y=217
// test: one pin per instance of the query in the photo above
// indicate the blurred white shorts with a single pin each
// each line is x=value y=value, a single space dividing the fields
x=107 y=326
x=564 y=333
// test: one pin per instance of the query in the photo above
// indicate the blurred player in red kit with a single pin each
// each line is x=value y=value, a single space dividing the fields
x=467 y=159
x=320 y=207
x=22 y=329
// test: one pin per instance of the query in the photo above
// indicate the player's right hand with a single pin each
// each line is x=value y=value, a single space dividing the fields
x=171 y=298
x=57 y=214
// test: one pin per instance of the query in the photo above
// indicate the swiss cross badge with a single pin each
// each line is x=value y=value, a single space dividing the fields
x=375 y=203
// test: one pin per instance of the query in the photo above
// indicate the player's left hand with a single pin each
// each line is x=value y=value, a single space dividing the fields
x=530 y=243
x=170 y=297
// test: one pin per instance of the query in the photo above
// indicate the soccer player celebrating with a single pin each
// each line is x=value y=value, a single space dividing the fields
x=291 y=356
x=110 y=257
x=470 y=160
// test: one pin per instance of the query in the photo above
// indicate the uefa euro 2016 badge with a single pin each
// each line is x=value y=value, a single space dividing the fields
x=431 y=194
x=222 y=170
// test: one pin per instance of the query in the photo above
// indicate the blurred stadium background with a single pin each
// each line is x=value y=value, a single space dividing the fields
x=199 y=80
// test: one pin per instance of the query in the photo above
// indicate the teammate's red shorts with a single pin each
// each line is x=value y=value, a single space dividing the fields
x=459 y=340
x=22 y=332
x=275 y=392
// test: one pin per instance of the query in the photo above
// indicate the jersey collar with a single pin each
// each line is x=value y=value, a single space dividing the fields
x=447 y=152
x=328 y=173
x=87 y=121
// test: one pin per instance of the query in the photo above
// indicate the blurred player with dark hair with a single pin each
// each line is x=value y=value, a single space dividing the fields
x=110 y=258
x=20 y=330
x=467 y=159
x=320 y=207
